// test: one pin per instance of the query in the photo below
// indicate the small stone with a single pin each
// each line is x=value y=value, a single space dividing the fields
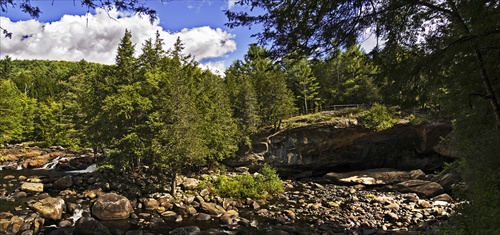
x=333 y=204
x=65 y=223
x=9 y=177
x=20 y=194
x=168 y=214
x=255 y=205
x=290 y=214
x=392 y=206
x=391 y=216
x=203 y=217
x=424 y=204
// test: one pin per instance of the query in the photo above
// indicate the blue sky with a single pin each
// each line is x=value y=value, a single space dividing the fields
x=62 y=32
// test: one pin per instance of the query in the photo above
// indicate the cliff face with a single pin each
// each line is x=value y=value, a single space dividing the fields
x=321 y=148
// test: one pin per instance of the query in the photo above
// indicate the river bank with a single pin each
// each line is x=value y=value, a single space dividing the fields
x=379 y=201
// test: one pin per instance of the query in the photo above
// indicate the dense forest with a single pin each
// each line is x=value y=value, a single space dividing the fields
x=83 y=104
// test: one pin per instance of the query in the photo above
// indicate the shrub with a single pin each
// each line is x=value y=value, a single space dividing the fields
x=380 y=118
x=263 y=185
x=412 y=119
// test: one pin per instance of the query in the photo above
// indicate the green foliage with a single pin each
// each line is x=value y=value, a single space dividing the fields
x=263 y=185
x=414 y=120
x=105 y=167
x=304 y=85
x=158 y=109
x=380 y=117
x=476 y=140
x=258 y=93
x=347 y=77
x=15 y=113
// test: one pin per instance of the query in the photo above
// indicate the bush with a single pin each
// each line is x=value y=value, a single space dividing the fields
x=263 y=185
x=380 y=118
x=414 y=120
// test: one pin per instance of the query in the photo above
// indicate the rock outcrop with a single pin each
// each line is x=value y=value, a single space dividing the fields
x=324 y=147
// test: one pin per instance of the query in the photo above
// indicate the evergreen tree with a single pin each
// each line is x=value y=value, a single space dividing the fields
x=243 y=100
x=348 y=77
x=5 y=67
x=275 y=100
x=305 y=85
x=15 y=113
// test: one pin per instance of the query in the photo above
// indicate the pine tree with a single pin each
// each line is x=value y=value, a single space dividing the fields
x=275 y=100
x=304 y=83
x=243 y=100
x=15 y=113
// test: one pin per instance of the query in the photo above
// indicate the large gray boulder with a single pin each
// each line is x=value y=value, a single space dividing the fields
x=423 y=188
x=111 y=206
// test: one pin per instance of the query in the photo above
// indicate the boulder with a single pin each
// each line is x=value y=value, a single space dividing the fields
x=189 y=230
x=424 y=188
x=111 y=206
x=32 y=187
x=449 y=179
x=63 y=183
x=90 y=226
x=211 y=208
x=150 y=204
x=190 y=183
x=49 y=208
x=10 y=225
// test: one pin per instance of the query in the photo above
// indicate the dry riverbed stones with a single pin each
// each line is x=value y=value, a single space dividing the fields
x=304 y=208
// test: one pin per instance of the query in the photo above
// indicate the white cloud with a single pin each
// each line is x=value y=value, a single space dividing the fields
x=230 y=4
x=72 y=39
x=217 y=67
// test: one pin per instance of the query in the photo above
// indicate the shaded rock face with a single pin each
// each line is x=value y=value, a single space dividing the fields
x=111 y=206
x=324 y=147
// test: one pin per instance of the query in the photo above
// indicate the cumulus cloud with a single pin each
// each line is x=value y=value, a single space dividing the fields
x=96 y=37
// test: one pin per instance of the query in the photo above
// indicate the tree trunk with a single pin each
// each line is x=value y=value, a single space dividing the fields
x=173 y=185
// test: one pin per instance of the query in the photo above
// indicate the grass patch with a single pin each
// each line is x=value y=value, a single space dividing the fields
x=263 y=185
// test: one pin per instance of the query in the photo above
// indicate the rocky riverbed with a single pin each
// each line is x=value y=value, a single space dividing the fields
x=376 y=201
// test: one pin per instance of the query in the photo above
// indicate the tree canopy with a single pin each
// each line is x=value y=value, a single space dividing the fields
x=432 y=53
x=445 y=30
